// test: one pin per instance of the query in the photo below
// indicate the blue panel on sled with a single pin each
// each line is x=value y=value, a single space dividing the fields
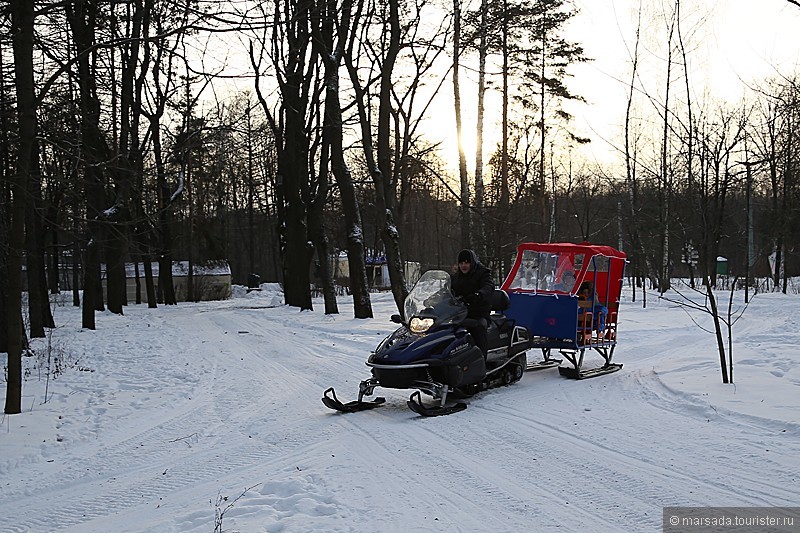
x=545 y=315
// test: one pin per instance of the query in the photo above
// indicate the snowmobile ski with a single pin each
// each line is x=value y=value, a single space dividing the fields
x=332 y=402
x=416 y=405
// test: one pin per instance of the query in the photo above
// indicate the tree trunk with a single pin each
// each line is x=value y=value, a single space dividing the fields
x=788 y=187
x=664 y=270
x=382 y=175
x=293 y=149
x=322 y=248
x=504 y=247
x=357 y=270
x=478 y=227
x=22 y=16
x=53 y=282
x=466 y=239
x=39 y=313
x=116 y=250
x=165 y=284
x=3 y=293
x=148 y=281
x=82 y=19
x=296 y=280
x=130 y=113
x=717 y=330
x=331 y=55
x=165 y=291
x=542 y=128
x=76 y=273
x=316 y=231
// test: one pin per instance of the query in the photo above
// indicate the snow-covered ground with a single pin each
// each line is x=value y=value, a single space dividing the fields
x=196 y=416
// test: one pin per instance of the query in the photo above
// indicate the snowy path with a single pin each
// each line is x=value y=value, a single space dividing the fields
x=211 y=401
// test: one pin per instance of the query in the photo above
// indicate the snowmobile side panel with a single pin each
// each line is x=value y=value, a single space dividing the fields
x=465 y=368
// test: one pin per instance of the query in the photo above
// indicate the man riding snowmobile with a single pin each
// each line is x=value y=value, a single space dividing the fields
x=472 y=282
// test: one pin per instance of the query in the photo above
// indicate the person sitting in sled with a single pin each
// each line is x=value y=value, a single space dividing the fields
x=567 y=281
x=472 y=282
x=586 y=292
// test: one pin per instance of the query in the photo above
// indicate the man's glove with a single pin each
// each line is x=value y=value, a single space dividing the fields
x=471 y=298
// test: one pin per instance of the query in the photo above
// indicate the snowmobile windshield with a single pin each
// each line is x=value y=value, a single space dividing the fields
x=431 y=297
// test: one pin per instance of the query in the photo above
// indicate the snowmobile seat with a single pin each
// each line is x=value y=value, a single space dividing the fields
x=499 y=300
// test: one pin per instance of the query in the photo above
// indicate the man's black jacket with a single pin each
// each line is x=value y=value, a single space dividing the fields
x=474 y=288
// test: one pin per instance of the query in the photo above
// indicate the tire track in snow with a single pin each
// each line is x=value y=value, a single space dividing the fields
x=556 y=477
x=700 y=460
x=160 y=470
x=388 y=445
x=158 y=474
x=459 y=473
x=462 y=477
x=770 y=473
x=153 y=462
x=610 y=474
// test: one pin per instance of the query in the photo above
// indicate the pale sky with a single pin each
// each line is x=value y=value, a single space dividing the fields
x=731 y=43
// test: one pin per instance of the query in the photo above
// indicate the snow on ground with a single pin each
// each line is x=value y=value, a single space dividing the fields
x=208 y=416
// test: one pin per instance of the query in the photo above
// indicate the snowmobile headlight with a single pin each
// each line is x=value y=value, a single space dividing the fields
x=420 y=325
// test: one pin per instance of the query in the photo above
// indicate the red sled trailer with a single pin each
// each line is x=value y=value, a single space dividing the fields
x=567 y=296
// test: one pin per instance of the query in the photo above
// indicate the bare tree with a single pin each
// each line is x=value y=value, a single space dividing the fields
x=82 y=17
x=483 y=27
x=462 y=158
x=719 y=141
x=728 y=317
x=22 y=20
x=294 y=62
x=331 y=36
x=630 y=151
x=159 y=94
x=377 y=153
x=772 y=138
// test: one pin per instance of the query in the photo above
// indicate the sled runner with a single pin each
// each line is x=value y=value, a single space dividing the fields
x=544 y=289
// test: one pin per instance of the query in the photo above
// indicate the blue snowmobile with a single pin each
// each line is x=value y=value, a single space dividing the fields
x=433 y=352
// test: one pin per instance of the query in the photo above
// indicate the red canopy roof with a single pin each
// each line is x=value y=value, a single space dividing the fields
x=606 y=281
x=568 y=247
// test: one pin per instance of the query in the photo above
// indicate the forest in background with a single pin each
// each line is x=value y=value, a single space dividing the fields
x=118 y=145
